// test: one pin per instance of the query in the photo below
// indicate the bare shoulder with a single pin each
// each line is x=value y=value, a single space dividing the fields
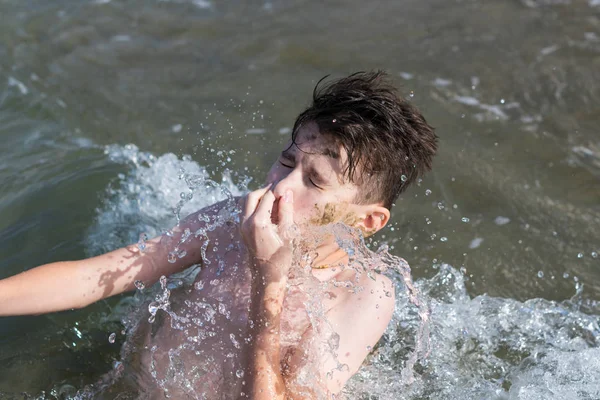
x=221 y=210
x=378 y=295
x=360 y=319
x=192 y=236
x=210 y=221
x=370 y=307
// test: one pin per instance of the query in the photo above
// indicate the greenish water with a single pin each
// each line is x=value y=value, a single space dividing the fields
x=513 y=88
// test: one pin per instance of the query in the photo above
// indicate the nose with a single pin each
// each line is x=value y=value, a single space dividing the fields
x=286 y=182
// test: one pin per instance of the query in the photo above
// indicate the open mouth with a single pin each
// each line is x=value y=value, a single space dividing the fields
x=275 y=212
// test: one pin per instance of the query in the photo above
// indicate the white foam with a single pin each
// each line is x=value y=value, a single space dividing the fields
x=475 y=243
x=500 y=220
x=144 y=198
x=487 y=348
x=20 y=85
x=440 y=82
x=256 y=131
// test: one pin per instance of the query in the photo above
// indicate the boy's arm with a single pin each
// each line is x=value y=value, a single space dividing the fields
x=75 y=284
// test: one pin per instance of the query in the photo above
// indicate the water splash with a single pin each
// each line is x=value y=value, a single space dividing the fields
x=489 y=348
x=148 y=198
x=480 y=347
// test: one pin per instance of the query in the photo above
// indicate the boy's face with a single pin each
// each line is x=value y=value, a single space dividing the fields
x=312 y=169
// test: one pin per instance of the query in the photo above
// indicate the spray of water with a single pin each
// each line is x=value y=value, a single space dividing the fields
x=190 y=364
x=441 y=343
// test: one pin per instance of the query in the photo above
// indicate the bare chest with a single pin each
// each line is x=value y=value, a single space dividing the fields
x=202 y=340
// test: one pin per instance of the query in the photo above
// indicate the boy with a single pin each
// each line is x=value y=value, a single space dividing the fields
x=279 y=309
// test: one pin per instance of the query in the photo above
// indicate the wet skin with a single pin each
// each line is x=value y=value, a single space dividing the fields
x=202 y=348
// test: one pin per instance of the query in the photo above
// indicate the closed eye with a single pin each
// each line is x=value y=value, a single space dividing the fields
x=285 y=165
x=314 y=184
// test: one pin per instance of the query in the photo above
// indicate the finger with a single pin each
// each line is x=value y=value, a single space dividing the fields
x=265 y=207
x=251 y=201
x=286 y=212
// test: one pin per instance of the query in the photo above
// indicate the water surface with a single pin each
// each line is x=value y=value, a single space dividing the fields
x=512 y=206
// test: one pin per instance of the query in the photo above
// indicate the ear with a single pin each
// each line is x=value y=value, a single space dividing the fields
x=372 y=219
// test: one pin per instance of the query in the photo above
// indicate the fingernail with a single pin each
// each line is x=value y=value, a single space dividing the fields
x=288 y=197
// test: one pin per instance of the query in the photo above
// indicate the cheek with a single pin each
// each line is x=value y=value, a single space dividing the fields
x=274 y=175
x=306 y=209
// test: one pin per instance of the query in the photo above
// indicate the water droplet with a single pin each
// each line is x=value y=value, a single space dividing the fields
x=427 y=192
x=594 y=254
x=443 y=239
x=500 y=220
x=580 y=255
x=239 y=373
x=403 y=178
x=566 y=275
x=141 y=244
x=172 y=257
x=412 y=94
x=475 y=243
x=153 y=308
x=465 y=219
x=334 y=120
x=112 y=337
x=139 y=284
x=369 y=348
x=540 y=274
x=222 y=309
x=440 y=205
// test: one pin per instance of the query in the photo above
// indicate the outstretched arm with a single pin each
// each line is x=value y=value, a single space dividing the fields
x=75 y=284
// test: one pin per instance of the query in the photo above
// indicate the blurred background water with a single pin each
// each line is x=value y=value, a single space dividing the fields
x=509 y=219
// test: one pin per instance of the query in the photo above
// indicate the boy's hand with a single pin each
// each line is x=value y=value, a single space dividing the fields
x=268 y=243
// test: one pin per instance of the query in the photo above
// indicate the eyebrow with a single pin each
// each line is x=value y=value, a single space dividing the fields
x=331 y=153
x=289 y=155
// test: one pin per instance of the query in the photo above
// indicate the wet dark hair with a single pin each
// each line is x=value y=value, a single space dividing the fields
x=387 y=140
